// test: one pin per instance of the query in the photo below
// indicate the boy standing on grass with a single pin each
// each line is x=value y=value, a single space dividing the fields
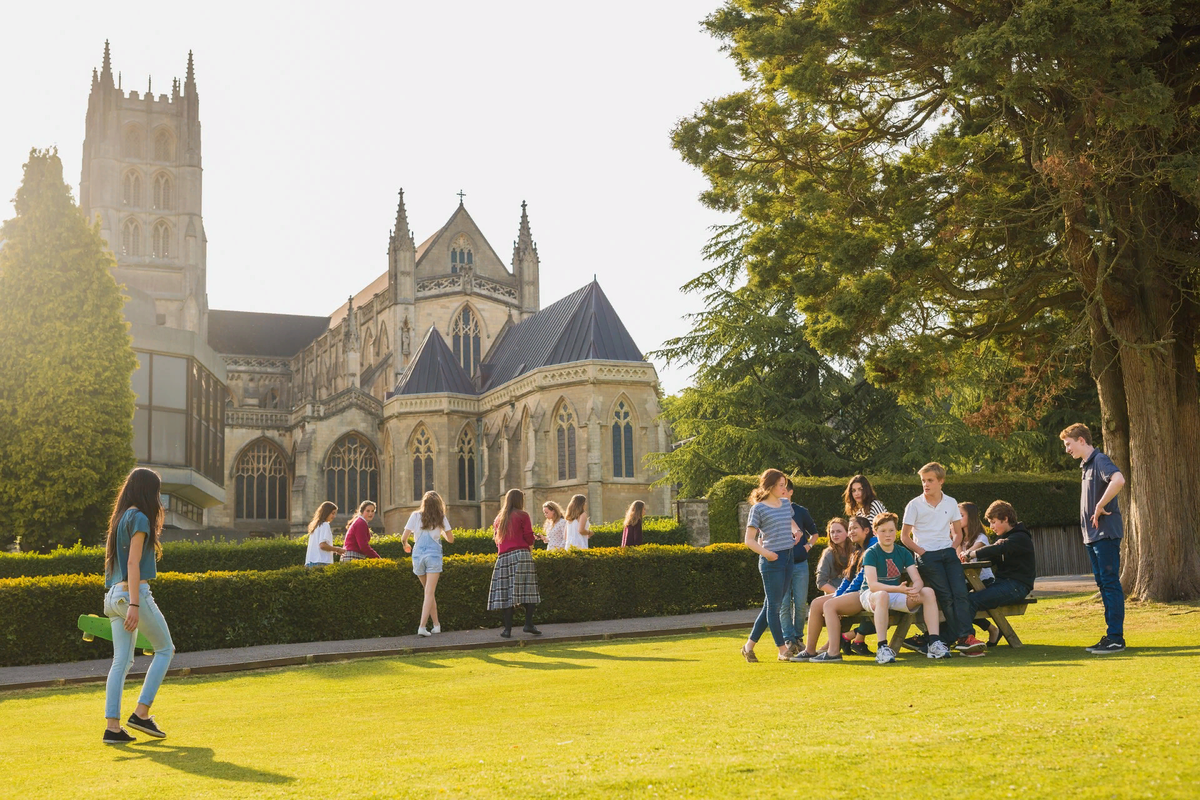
x=1102 y=530
x=933 y=527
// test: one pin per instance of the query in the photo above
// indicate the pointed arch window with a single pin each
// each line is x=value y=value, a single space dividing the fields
x=622 y=441
x=161 y=240
x=461 y=257
x=466 y=465
x=162 y=191
x=261 y=482
x=464 y=334
x=351 y=473
x=422 y=460
x=133 y=143
x=131 y=238
x=564 y=425
x=131 y=189
x=163 y=150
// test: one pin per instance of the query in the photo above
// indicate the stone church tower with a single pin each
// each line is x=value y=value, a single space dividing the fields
x=141 y=176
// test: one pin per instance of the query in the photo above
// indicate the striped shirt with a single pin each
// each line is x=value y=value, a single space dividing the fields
x=775 y=525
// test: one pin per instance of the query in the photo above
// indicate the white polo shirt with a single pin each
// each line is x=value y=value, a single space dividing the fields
x=931 y=524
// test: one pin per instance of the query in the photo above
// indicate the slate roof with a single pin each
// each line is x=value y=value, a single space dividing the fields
x=581 y=326
x=252 y=333
x=435 y=370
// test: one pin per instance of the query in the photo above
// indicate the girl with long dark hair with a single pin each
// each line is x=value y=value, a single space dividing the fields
x=320 y=537
x=859 y=499
x=131 y=554
x=514 y=580
x=357 y=544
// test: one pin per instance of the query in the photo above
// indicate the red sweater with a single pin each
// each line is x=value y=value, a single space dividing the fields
x=358 y=538
x=520 y=533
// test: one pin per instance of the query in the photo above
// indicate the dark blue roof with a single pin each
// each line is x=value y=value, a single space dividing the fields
x=435 y=370
x=580 y=327
x=254 y=333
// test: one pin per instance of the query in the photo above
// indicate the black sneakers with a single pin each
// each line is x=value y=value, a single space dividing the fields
x=860 y=649
x=531 y=630
x=1106 y=646
x=146 y=726
x=919 y=644
x=117 y=737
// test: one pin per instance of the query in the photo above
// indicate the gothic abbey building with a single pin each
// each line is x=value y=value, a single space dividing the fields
x=444 y=373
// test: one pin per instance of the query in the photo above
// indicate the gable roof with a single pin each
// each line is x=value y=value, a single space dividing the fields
x=435 y=370
x=469 y=224
x=580 y=327
x=361 y=299
x=253 y=333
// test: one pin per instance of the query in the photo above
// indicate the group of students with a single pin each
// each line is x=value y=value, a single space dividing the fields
x=875 y=564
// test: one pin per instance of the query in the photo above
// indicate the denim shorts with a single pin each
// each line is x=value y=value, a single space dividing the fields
x=426 y=562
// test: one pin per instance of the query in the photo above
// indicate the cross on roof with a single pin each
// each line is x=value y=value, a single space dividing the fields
x=461 y=195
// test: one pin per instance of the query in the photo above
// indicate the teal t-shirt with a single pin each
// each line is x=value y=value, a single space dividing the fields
x=131 y=522
x=891 y=568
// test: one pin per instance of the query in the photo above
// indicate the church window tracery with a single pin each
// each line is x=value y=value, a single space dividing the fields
x=163 y=151
x=461 y=254
x=422 y=460
x=161 y=240
x=464 y=336
x=622 y=441
x=466 y=465
x=131 y=238
x=564 y=424
x=352 y=472
x=133 y=143
x=261 y=482
x=131 y=189
x=162 y=191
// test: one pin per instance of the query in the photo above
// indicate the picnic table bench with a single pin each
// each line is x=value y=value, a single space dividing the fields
x=902 y=621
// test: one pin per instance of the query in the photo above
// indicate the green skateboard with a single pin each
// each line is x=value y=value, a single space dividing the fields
x=93 y=626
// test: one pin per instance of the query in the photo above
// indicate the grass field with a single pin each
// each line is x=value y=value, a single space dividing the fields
x=644 y=718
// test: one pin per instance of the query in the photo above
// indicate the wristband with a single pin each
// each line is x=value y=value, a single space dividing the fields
x=134 y=605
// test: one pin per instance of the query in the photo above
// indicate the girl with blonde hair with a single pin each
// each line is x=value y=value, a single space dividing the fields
x=579 y=529
x=428 y=525
x=554 y=532
x=631 y=536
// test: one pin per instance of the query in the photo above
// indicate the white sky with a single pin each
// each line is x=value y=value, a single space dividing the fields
x=315 y=114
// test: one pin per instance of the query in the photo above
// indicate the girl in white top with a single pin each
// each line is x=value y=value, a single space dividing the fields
x=428 y=525
x=578 y=529
x=554 y=533
x=320 y=537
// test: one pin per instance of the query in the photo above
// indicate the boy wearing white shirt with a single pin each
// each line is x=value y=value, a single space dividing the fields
x=933 y=527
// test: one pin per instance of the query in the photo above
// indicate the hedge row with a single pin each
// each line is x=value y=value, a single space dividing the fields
x=1051 y=499
x=366 y=599
x=280 y=553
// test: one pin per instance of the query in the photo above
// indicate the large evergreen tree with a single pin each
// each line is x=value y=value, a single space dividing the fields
x=930 y=176
x=66 y=403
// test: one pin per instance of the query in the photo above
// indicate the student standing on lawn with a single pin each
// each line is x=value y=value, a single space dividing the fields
x=1015 y=564
x=1100 y=519
x=358 y=534
x=130 y=563
x=835 y=558
x=579 y=528
x=514 y=580
x=771 y=532
x=428 y=525
x=631 y=536
x=932 y=530
x=794 y=606
x=554 y=532
x=886 y=568
x=320 y=537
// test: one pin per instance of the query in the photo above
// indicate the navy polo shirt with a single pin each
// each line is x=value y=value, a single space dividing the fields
x=1098 y=470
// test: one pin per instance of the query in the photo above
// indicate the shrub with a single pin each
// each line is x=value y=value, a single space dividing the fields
x=281 y=553
x=1039 y=499
x=376 y=598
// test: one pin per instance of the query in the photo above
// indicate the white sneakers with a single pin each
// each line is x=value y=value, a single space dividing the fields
x=885 y=655
x=437 y=628
x=422 y=632
x=938 y=650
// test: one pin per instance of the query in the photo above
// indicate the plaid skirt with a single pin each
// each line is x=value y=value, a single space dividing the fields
x=353 y=555
x=514 y=581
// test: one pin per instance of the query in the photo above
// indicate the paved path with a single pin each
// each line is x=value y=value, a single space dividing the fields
x=1064 y=584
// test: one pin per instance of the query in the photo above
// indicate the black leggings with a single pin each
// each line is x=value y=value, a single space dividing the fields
x=508 y=615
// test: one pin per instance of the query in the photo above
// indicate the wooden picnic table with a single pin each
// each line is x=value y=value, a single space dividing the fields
x=999 y=615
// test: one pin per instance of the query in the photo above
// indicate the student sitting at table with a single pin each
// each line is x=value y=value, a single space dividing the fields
x=1013 y=561
x=892 y=583
x=975 y=537
x=863 y=537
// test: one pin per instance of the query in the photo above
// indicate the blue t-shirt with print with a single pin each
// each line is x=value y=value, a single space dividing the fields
x=132 y=521
x=1098 y=470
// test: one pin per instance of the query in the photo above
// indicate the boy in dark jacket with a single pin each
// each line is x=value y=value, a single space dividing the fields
x=1013 y=563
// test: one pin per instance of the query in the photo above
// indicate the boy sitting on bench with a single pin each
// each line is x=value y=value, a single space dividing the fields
x=1013 y=564
x=892 y=583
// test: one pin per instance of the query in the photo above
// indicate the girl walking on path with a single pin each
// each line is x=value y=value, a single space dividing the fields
x=579 y=528
x=514 y=580
x=554 y=532
x=130 y=563
x=320 y=537
x=428 y=526
x=358 y=534
x=632 y=535
x=771 y=532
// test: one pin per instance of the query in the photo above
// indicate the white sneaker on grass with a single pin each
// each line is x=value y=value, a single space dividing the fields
x=885 y=655
x=422 y=632
x=938 y=650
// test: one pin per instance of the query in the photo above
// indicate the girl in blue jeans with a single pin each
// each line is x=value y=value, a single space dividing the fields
x=130 y=563
x=771 y=532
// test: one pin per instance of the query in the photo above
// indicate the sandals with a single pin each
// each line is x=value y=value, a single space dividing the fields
x=749 y=655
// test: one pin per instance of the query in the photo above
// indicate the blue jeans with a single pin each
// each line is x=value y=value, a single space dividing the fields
x=942 y=571
x=154 y=628
x=1002 y=592
x=776 y=576
x=795 y=604
x=1106 y=566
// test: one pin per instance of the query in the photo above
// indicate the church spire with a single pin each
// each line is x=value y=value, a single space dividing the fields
x=106 y=75
x=191 y=74
x=524 y=243
x=351 y=322
x=401 y=234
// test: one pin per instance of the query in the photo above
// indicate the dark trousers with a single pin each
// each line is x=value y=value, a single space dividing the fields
x=1002 y=592
x=1106 y=567
x=942 y=571
x=776 y=577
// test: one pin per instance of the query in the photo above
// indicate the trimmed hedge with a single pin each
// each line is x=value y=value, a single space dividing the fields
x=1051 y=499
x=366 y=599
x=281 y=553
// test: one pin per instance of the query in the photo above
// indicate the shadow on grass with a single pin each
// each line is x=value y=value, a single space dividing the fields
x=545 y=655
x=199 y=761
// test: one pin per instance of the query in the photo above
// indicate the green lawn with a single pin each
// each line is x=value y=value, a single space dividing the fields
x=640 y=718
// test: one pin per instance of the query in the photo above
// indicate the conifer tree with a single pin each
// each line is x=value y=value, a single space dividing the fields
x=66 y=402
